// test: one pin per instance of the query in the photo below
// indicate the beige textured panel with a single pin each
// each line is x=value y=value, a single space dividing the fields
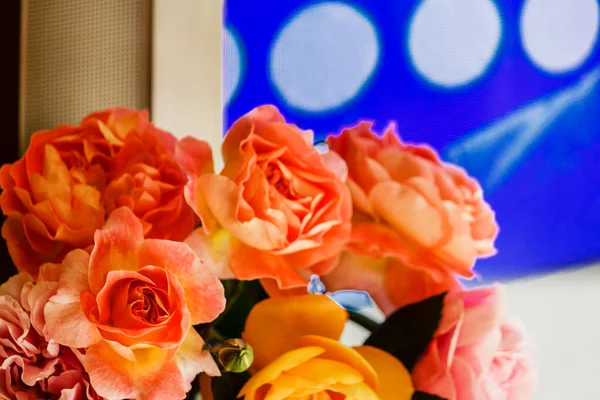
x=80 y=56
x=186 y=69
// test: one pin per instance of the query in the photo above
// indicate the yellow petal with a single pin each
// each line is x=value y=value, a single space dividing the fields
x=272 y=371
x=343 y=354
x=275 y=324
x=394 y=380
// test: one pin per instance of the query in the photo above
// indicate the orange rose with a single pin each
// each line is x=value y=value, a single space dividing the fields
x=132 y=304
x=297 y=355
x=427 y=220
x=71 y=178
x=285 y=212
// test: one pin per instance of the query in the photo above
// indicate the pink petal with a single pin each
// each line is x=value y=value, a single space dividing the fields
x=65 y=321
x=192 y=359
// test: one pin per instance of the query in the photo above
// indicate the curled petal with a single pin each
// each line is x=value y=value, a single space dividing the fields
x=116 y=246
x=222 y=197
x=394 y=380
x=248 y=263
x=204 y=293
x=196 y=159
x=345 y=355
x=65 y=321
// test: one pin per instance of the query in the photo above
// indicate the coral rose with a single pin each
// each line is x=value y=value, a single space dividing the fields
x=133 y=302
x=477 y=352
x=297 y=355
x=426 y=219
x=71 y=178
x=285 y=211
x=32 y=366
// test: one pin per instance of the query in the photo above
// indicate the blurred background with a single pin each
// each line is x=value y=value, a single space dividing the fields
x=510 y=90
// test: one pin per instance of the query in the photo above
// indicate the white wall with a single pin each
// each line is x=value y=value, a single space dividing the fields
x=186 y=69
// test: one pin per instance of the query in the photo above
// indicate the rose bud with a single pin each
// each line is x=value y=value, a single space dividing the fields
x=235 y=355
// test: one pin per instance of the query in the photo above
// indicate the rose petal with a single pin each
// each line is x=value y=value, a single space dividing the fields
x=248 y=263
x=344 y=355
x=222 y=197
x=283 y=363
x=65 y=321
x=394 y=380
x=116 y=247
x=213 y=249
x=204 y=292
x=192 y=359
x=292 y=318
x=151 y=377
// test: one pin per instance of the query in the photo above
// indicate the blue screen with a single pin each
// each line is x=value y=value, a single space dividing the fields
x=510 y=90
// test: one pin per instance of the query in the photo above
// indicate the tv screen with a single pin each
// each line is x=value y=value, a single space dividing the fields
x=508 y=90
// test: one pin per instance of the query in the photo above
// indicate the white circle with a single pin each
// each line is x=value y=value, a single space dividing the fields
x=452 y=43
x=559 y=35
x=232 y=63
x=324 y=56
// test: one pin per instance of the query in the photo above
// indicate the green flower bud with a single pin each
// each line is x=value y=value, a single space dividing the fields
x=235 y=355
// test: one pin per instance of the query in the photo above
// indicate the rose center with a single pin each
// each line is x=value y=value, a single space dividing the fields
x=150 y=304
x=278 y=181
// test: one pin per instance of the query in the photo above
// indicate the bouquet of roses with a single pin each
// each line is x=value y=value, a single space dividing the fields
x=146 y=274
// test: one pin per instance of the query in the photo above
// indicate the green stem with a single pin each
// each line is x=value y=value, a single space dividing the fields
x=363 y=321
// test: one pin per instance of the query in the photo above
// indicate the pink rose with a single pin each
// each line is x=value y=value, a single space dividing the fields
x=31 y=366
x=477 y=352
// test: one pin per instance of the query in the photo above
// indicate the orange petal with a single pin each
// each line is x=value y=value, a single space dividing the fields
x=195 y=156
x=213 y=249
x=343 y=354
x=406 y=285
x=361 y=273
x=409 y=212
x=204 y=292
x=151 y=377
x=291 y=318
x=21 y=252
x=249 y=263
x=394 y=380
x=272 y=289
x=116 y=246
x=196 y=159
x=222 y=197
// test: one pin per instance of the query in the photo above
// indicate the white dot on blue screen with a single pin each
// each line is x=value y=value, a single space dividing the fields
x=232 y=65
x=559 y=35
x=452 y=43
x=324 y=56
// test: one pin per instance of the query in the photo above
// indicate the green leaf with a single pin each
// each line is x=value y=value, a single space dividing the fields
x=231 y=322
x=408 y=331
x=228 y=385
x=425 y=396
